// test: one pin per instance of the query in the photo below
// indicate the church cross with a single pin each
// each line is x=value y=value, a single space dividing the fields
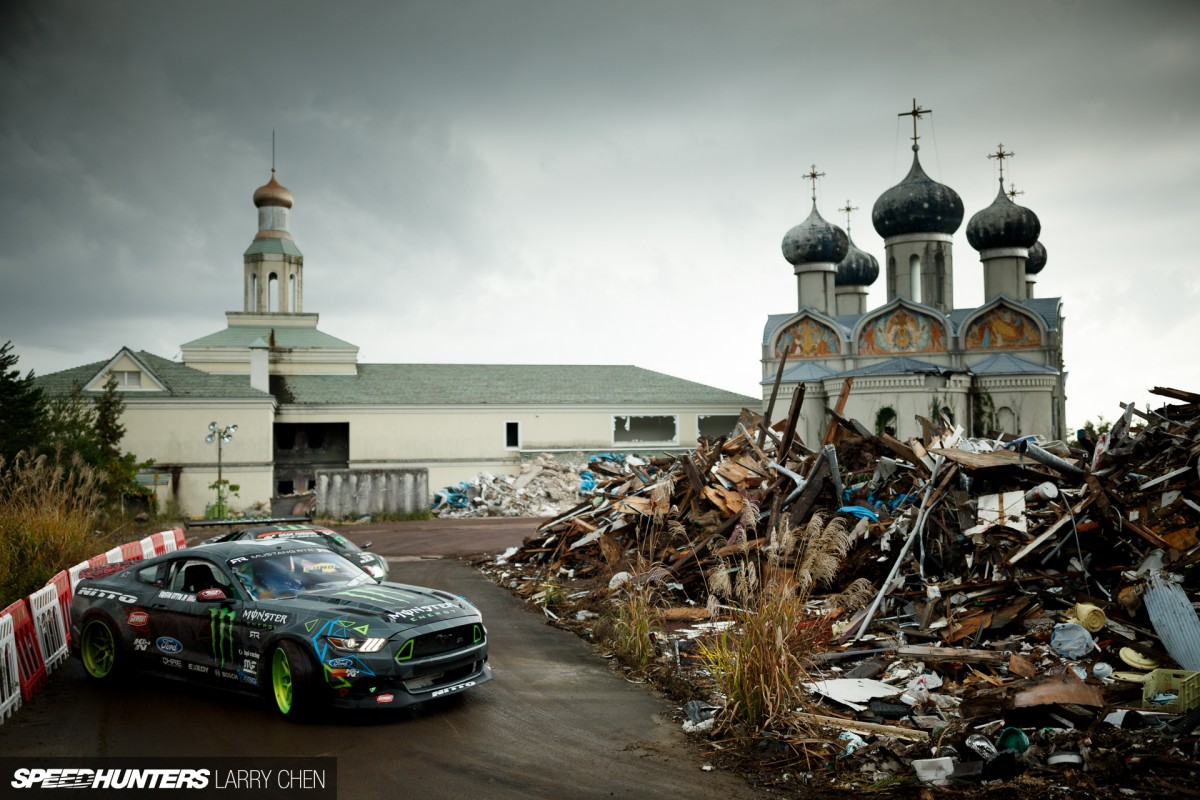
x=847 y=209
x=812 y=176
x=916 y=113
x=1000 y=155
x=1012 y=191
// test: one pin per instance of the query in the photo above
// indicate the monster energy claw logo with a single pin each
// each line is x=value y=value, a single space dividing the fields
x=222 y=634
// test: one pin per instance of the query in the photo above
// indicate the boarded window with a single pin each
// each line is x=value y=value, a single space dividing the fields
x=715 y=426
x=512 y=435
x=645 y=429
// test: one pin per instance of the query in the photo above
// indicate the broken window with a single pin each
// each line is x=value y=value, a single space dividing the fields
x=645 y=429
x=715 y=426
x=512 y=435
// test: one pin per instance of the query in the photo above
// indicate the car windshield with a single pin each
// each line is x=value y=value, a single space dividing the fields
x=334 y=540
x=288 y=573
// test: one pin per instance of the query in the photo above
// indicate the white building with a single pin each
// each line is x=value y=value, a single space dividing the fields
x=368 y=437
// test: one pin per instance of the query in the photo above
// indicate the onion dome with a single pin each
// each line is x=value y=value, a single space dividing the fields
x=857 y=268
x=1036 y=260
x=917 y=204
x=1003 y=224
x=815 y=241
x=272 y=194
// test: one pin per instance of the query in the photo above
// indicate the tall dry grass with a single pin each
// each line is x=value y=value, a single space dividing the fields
x=48 y=512
x=761 y=662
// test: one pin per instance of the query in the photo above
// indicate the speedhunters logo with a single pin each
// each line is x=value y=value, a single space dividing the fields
x=67 y=778
x=187 y=777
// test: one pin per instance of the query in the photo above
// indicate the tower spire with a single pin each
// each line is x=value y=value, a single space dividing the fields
x=847 y=209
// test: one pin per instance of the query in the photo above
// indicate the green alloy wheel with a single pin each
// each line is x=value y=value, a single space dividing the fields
x=99 y=649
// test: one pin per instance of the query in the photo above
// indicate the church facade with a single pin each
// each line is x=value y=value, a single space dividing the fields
x=992 y=368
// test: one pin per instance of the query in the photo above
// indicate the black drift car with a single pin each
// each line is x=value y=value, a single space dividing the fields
x=298 y=622
x=372 y=563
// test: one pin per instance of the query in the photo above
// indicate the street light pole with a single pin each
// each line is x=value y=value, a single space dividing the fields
x=220 y=435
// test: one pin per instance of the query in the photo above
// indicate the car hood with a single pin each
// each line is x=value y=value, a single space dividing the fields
x=393 y=602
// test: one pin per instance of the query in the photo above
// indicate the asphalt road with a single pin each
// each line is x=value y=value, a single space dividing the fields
x=556 y=722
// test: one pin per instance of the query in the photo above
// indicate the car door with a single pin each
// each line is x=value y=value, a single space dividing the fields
x=197 y=613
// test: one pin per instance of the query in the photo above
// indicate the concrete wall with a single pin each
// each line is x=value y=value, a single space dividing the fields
x=353 y=493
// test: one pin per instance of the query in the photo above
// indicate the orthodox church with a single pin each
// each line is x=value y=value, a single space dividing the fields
x=992 y=368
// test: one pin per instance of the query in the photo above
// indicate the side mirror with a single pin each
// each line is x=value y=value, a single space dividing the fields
x=211 y=595
x=366 y=544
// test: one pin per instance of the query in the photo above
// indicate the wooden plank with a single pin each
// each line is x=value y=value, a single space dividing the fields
x=964 y=654
x=910 y=734
x=839 y=409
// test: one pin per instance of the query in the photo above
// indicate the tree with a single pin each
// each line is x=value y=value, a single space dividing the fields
x=23 y=408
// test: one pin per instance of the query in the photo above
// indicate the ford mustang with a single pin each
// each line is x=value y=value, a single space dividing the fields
x=372 y=563
x=294 y=621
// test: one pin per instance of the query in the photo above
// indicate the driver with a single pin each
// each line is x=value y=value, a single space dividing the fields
x=272 y=578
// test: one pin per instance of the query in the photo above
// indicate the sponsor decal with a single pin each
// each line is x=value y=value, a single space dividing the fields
x=172 y=662
x=181 y=597
x=250 y=665
x=105 y=594
x=458 y=687
x=221 y=623
x=384 y=698
x=340 y=662
x=138 y=619
x=168 y=645
x=255 y=615
x=198 y=668
x=225 y=673
x=80 y=778
x=255 y=634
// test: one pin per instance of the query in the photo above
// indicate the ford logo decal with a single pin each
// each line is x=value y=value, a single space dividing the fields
x=339 y=662
x=168 y=645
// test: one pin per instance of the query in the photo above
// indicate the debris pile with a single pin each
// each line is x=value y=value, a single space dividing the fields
x=1033 y=602
x=544 y=487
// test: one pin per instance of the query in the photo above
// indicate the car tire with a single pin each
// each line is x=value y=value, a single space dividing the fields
x=292 y=683
x=100 y=650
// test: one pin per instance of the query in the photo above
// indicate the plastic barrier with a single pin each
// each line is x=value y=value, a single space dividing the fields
x=114 y=555
x=132 y=551
x=180 y=538
x=147 y=546
x=10 y=680
x=74 y=573
x=65 y=590
x=30 y=667
x=167 y=541
x=48 y=622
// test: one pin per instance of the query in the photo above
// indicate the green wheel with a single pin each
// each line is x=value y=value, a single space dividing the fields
x=292 y=686
x=100 y=650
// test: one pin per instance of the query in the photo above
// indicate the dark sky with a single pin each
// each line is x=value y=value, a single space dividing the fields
x=584 y=182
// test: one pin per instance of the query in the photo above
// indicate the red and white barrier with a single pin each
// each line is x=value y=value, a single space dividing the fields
x=30 y=666
x=35 y=633
x=10 y=678
x=48 y=623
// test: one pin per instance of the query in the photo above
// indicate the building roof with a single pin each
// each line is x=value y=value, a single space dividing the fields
x=280 y=246
x=1007 y=364
x=500 y=384
x=243 y=336
x=895 y=366
x=179 y=380
x=804 y=372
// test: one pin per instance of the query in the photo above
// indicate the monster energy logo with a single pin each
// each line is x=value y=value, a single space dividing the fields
x=222 y=634
x=374 y=593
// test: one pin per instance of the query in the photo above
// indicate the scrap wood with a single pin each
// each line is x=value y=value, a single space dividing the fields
x=911 y=734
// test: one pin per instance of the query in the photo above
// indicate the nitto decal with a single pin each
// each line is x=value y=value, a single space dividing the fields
x=458 y=687
x=138 y=619
x=221 y=621
x=88 y=591
x=168 y=645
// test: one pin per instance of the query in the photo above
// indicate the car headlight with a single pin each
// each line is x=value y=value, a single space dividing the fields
x=355 y=645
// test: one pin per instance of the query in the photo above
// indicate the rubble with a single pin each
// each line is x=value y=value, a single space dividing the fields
x=1032 y=603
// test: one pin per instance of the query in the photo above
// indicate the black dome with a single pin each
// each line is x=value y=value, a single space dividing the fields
x=1036 y=260
x=1003 y=224
x=815 y=240
x=857 y=268
x=918 y=204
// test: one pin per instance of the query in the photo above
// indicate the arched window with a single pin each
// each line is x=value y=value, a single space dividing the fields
x=253 y=304
x=272 y=288
x=914 y=276
x=1006 y=420
x=293 y=293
